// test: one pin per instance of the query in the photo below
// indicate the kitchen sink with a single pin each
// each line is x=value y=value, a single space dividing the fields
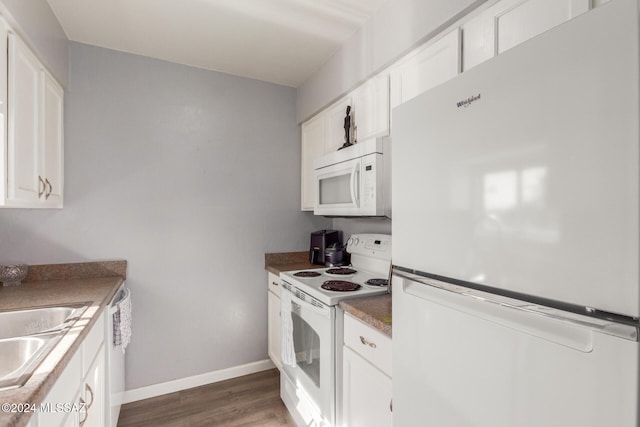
x=16 y=352
x=27 y=336
x=33 y=321
x=19 y=357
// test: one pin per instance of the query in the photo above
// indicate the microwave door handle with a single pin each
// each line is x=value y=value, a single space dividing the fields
x=355 y=183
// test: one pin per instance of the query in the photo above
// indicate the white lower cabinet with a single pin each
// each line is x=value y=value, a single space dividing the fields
x=274 y=344
x=366 y=376
x=64 y=392
x=366 y=393
x=93 y=394
x=77 y=399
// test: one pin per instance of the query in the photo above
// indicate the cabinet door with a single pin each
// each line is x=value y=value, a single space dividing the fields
x=274 y=333
x=425 y=68
x=312 y=148
x=3 y=112
x=64 y=392
x=366 y=397
x=52 y=141
x=23 y=182
x=334 y=125
x=371 y=108
x=94 y=394
x=511 y=22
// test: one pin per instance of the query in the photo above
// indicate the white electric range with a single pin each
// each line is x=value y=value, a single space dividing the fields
x=313 y=329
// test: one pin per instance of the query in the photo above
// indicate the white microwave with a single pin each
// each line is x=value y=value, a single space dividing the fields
x=354 y=181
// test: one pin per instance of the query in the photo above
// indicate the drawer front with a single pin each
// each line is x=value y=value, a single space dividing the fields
x=91 y=344
x=368 y=342
x=274 y=284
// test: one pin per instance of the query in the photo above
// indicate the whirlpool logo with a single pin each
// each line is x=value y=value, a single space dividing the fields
x=466 y=102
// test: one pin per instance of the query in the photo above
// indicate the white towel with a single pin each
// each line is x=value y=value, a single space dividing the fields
x=122 y=321
x=288 y=350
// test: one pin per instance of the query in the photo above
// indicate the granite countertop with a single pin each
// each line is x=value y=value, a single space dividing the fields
x=94 y=283
x=287 y=261
x=374 y=311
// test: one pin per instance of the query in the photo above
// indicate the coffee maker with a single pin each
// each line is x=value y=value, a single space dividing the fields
x=320 y=240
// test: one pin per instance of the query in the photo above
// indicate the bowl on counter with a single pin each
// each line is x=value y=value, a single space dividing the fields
x=12 y=275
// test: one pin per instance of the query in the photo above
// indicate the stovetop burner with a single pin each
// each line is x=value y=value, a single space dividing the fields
x=377 y=282
x=340 y=286
x=341 y=271
x=307 y=274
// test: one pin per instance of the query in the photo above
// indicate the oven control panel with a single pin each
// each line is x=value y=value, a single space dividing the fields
x=378 y=245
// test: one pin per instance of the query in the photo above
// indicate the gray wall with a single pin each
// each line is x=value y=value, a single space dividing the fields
x=396 y=28
x=35 y=22
x=191 y=176
x=350 y=226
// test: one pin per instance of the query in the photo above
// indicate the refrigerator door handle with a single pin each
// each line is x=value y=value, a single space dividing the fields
x=519 y=307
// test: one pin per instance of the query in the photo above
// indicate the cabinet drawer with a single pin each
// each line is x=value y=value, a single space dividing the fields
x=91 y=344
x=274 y=284
x=370 y=343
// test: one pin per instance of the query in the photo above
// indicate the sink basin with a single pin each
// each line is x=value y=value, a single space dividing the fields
x=33 y=321
x=27 y=337
x=16 y=352
x=20 y=356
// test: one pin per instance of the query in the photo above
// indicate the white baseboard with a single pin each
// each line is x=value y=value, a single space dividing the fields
x=195 y=381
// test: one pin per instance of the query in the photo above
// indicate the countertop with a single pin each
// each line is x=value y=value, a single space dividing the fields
x=62 y=284
x=287 y=261
x=374 y=311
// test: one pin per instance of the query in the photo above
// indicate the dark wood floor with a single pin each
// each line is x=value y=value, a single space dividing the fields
x=252 y=400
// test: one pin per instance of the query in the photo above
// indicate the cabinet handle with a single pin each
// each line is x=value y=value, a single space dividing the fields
x=87 y=387
x=391 y=405
x=86 y=412
x=50 y=188
x=44 y=186
x=274 y=283
x=365 y=342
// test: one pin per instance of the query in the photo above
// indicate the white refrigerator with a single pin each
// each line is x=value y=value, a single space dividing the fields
x=516 y=288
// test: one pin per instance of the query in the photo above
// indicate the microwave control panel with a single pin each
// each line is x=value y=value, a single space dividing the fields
x=371 y=178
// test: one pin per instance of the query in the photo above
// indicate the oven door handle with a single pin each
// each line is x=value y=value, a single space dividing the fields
x=297 y=304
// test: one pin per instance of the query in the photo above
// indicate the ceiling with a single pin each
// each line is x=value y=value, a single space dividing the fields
x=279 y=41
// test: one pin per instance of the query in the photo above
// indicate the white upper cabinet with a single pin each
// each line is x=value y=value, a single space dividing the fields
x=34 y=139
x=325 y=132
x=511 y=22
x=492 y=31
x=312 y=147
x=334 y=124
x=52 y=140
x=371 y=108
x=425 y=68
x=23 y=182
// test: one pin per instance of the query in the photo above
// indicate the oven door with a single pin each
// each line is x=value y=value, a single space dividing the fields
x=312 y=376
x=338 y=189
